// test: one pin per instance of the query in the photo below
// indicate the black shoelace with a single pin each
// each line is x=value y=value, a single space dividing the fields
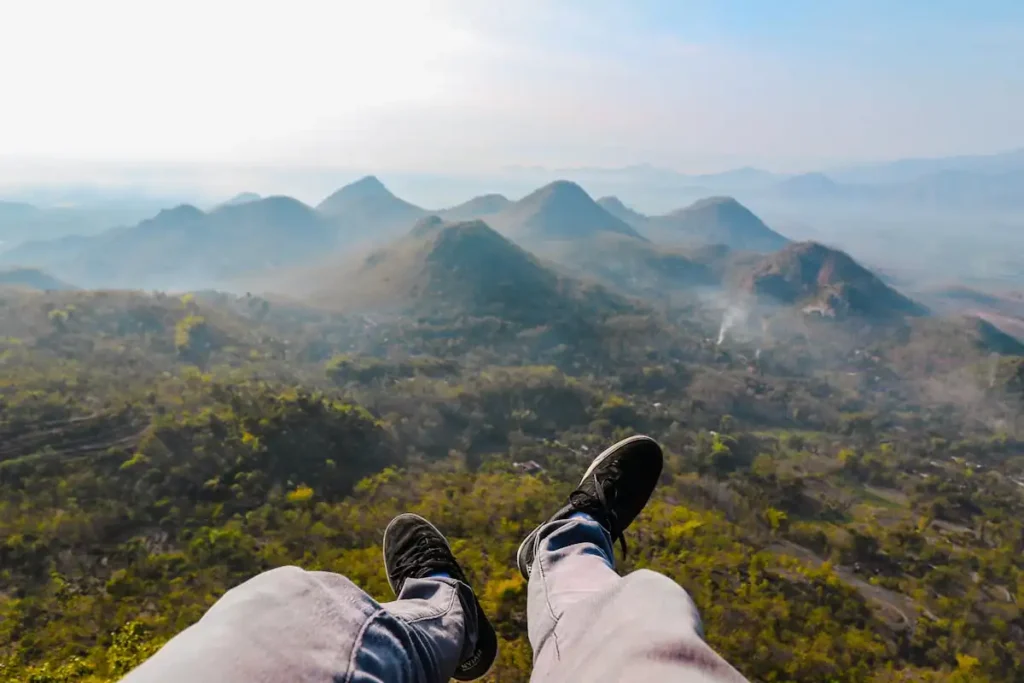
x=610 y=514
x=424 y=559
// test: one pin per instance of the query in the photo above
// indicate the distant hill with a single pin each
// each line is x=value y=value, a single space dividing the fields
x=31 y=278
x=242 y=198
x=184 y=247
x=943 y=189
x=824 y=281
x=717 y=220
x=993 y=339
x=477 y=207
x=458 y=269
x=615 y=207
x=808 y=186
x=561 y=210
x=367 y=210
x=20 y=221
x=910 y=170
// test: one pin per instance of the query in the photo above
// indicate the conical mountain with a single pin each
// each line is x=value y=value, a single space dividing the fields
x=718 y=220
x=366 y=209
x=615 y=207
x=559 y=211
x=464 y=269
x=825 y=281
x=478 y=207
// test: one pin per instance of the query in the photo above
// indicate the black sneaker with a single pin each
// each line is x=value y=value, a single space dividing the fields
x=415 y=549
x=614 y=489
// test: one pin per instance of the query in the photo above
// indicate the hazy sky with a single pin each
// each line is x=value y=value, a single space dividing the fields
x=473 y=84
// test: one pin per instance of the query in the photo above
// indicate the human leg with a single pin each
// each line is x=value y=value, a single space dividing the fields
x=292 y=625
x=588 y=623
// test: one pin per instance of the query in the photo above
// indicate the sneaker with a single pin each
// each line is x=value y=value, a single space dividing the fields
x=614 y=489
x=415 y=549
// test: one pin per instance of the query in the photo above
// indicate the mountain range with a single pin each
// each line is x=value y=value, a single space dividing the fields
x=470 y=255
x=185 y=247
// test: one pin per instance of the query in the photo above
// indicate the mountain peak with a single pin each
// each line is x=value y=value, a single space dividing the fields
x=367 y=207
x=368 y=184
x=826 y=281
x=615 y=207
x=242 y=198
x=719 y=203
x=183 y=214
x=367 y=188
x=561 y=210
x=477 y=207
x=612 y=204
x=719 y=220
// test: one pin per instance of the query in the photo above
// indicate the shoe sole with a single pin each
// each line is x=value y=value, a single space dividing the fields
x=602 y=456
x=384 y=544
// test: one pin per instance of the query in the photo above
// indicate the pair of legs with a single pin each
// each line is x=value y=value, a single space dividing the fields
x=586 y=623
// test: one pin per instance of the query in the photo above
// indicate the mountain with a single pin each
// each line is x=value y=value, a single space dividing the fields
x=824 y=281
x=615 y=207
x=459 y=269
x=16 y=211
x=559 y=211
x=910 y=170
x=184 y=247
x=946 y=189
x=717 y=220
x=808 y=186
x=477 y=207
x=31 y=278
x=366 y=209
x=21 y=221
x=242 y=198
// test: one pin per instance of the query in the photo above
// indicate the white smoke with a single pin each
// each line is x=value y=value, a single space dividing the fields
x=734 y=315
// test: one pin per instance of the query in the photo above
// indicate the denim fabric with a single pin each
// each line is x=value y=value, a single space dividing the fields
x=587 y=623
x=294 y=626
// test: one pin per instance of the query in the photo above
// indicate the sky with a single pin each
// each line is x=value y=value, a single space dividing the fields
x=465 y=86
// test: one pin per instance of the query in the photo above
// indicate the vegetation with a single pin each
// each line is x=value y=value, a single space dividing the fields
x=843 y=504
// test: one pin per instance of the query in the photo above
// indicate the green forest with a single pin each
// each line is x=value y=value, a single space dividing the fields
x=844 y=502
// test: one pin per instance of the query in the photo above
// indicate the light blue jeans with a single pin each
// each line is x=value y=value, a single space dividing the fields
x=586 y=623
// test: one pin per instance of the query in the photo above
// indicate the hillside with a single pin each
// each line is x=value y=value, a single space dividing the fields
x=31 y=278
x=717 y=220
x=159 y=450
x=615 y=207
x=633 y=266
x=561 y=210
x=825 y=281
x=184 y=247
x=457 y=269
x=367 y=211
x=477 y=207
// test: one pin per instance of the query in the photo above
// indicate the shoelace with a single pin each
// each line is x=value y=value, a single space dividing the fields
x=424 y=559
x=612 y=515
